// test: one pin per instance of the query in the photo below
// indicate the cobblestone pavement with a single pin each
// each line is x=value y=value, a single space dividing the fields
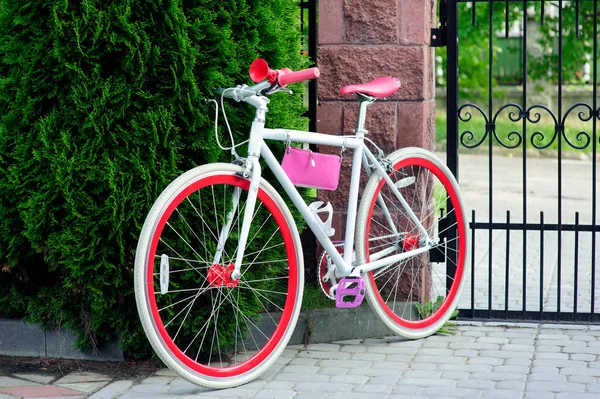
x=479 y=360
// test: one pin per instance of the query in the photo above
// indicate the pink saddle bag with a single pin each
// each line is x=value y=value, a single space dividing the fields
x=309 y=169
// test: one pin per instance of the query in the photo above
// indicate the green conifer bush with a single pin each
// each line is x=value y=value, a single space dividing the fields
x=101 y=106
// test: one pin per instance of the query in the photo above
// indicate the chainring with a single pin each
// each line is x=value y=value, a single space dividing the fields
x=324 y=266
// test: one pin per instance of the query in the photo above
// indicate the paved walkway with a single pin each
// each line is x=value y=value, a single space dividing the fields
x=476 y=361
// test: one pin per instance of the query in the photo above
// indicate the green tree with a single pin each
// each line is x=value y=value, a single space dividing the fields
x=474 y=41
x=474 y=45
x=101 y=105
x=577 y=41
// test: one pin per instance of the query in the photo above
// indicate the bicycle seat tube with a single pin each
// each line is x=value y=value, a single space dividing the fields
x=365 y=103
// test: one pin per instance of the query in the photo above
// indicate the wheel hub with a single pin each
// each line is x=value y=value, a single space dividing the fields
x=220 y=275
x=410 y=242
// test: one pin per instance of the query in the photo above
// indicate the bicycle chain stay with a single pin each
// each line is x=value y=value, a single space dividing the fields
x=330 y=273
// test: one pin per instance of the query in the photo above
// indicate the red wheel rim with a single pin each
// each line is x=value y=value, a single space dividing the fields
x=288 y=308
x=432 y=319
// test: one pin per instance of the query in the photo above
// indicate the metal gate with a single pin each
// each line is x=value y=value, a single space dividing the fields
x=526 y=153
x=308 y=25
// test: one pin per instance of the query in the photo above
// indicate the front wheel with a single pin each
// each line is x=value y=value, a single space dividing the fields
x=416 y=296
x=208 y=328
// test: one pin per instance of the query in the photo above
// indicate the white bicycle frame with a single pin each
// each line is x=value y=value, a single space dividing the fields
x=362 y=156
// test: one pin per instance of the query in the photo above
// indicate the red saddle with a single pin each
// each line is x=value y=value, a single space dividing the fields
x=380 y=87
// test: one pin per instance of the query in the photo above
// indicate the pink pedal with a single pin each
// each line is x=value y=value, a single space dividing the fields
x=351 y=288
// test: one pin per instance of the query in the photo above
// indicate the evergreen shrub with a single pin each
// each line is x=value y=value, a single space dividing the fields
x=101 y=106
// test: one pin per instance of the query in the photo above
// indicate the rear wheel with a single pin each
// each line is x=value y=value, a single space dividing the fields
x=416 y=296
x=210 y=329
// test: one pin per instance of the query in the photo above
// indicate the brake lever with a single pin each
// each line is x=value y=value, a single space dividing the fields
x=275 y=88
x=270 y=90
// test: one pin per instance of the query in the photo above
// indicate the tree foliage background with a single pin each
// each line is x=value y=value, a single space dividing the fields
x=474 y=41
x=101 y=106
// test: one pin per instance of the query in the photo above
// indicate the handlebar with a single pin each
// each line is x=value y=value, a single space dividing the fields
x=298 y=76
x=239 y=93
x=259 y=71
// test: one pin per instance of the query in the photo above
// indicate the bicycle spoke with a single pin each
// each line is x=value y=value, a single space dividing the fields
x=249 y=242
x=387 y=281
x=237 y=328
x=182 y=270
x=255 y=292
x=201 y=224
x=383 y=226
x=247 y=319
x=397 y=274
x=267 y=279
x=187 y=260
x=384 y=269
x=215 y=237
x=256 y=257
x=189 y=306
x=206 y=324
x=180 y=257
x=212 y=189
x=216 y=334
x=191 y=289
x=177 y=303
x=264 y=249
x=191 y=229
x=267 y=291
x=185 y=241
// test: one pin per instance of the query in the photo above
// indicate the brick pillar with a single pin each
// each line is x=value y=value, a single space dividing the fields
x=360 y=40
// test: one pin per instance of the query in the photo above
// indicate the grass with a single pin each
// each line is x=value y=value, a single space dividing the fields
x=314 y=298
x=440 y=196
x=504 y=127
x=429 y=308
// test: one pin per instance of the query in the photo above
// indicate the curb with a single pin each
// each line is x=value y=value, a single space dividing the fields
x=331 y=325
x=18 y=338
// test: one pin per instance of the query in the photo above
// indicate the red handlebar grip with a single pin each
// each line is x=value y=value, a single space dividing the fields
x=299 y=76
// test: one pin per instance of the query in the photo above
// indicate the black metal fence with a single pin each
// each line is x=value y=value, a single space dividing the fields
x=308 y=23
x=534 y=249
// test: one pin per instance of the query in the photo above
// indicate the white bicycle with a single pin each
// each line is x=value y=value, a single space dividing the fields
x=219 y=268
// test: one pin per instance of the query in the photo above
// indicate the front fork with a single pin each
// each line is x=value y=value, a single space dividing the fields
x=227 y=227
x=248 y=215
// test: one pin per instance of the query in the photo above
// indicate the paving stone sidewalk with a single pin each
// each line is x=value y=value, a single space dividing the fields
x=480 y=360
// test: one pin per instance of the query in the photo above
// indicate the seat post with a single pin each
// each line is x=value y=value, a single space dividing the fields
x=365 y=102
